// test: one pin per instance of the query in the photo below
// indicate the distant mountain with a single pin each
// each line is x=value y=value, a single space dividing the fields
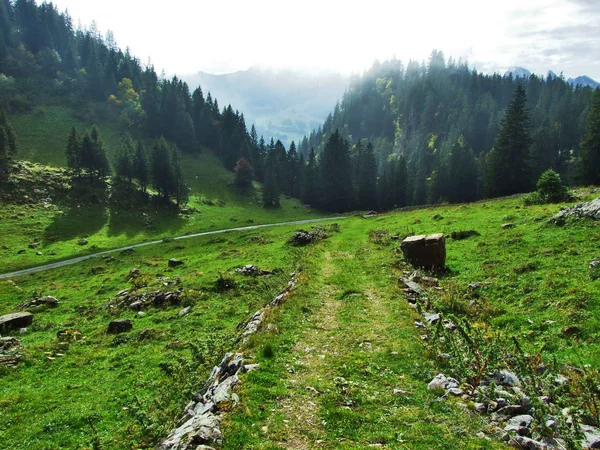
x=284 y=104
x=583 y=81
x=517 y=72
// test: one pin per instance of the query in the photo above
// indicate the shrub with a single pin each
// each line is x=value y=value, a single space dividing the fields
x=551 y=188
x=244 y=173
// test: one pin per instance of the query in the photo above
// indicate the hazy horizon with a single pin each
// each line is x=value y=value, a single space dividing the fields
x=185 y=37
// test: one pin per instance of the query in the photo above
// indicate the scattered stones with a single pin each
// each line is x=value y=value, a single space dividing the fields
x=590 y=210
x=466 y=234
x=507 y=226
x=145 y=300
x=203 y=427
x=252 y=271
x=425 y=251
x=37 y=302
x=15 y=321
x=9 y=344
x=303 y=237
x=431 y=318
x=175 y=262
x=69 y=335
x=120 y=326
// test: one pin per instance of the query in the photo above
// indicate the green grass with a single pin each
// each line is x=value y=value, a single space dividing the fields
x=346 y=331
x=219 y=204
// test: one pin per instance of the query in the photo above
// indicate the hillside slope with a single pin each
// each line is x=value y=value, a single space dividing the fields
x=342 y=364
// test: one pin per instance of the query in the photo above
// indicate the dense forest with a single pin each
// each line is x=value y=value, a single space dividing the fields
x=433 y=127
x=44 y=59
x=423 y=133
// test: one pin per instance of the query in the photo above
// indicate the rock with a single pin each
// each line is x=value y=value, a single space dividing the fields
x=590 y=210
x=431 y=318
x=437 y=217
x=506 y=378
x=456 y=391
x=302 y=237
x=34 y=245
x=9 y=344
x=507 y=226
x=428 y=252
x=571 y=330
x=520 y=425
x=15 y=321
x=523 y=442
x=478 y=285
x=412 y=286
x=50 y=301
x=185 y=311
x=441 y=383
x=199 y=430
x=481 y=408
x=38 y=253
x=592 y=436
x=82 y=242
x=21 y=252
x=120 y=326
x=252 y=271
x=466 y=234
x=127 y=251
x=175 y=262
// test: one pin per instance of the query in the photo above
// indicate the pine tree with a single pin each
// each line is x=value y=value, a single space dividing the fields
x=4 y=155
x=462 y=170
x=271 y=191
x=73 y=152
x=337 y=193
x=125 y=159
x=508 y=170
x=11 y=136
x=293 y=172
x=367 y=178
x=589 y=149
x=100 y=162
x=140 y=166
x=163 y=177
x=179 y=184
x=311 y=175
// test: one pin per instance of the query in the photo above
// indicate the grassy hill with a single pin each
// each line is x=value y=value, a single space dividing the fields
x=59 y=224
x=341 y=362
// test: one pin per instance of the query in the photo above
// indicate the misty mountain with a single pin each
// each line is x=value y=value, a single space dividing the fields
x=283 y=104
x=583 y=81
x=517 y=72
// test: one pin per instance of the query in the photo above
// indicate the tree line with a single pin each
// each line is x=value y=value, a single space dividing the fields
x=440 y=125
x=138 y=168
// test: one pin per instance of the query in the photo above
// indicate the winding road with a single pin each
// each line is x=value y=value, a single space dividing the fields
x=79 y=259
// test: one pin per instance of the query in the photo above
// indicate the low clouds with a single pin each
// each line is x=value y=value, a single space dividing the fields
x=561 y=35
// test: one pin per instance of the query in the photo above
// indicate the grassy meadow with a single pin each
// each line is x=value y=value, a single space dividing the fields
x=342 y=365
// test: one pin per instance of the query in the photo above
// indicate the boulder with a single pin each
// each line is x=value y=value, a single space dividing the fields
x=428 y=252
x=15 y=321
x=591 y=210
x=175 y=262
x=120 y=326
x=507 y=226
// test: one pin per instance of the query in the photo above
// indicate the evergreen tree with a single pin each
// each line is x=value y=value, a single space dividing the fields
x=462 y=171
x=337 y=193
x=73 y=152
x=163 y=177
x=293 y=172
x=181 y=189
x=4 y=155
x=140 y=166
x=589 y=152
x=99 y=160
x=367 y=178
x=311 y=176
x=125 y=159
x=271 y=191
x=508 y=170
x=11 y=136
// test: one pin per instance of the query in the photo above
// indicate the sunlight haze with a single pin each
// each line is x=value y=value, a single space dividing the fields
x=184 y=36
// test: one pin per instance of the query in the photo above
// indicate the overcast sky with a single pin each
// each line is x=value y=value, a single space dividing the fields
x=185 y=36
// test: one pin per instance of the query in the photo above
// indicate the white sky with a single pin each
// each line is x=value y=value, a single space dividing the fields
x=218 y=36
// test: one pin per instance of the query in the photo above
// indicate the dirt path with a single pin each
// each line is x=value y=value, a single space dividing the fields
x=314 y=351
x=79 y=259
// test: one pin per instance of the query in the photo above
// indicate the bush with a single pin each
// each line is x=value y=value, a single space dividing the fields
x=551 y=188
x=244 y=173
